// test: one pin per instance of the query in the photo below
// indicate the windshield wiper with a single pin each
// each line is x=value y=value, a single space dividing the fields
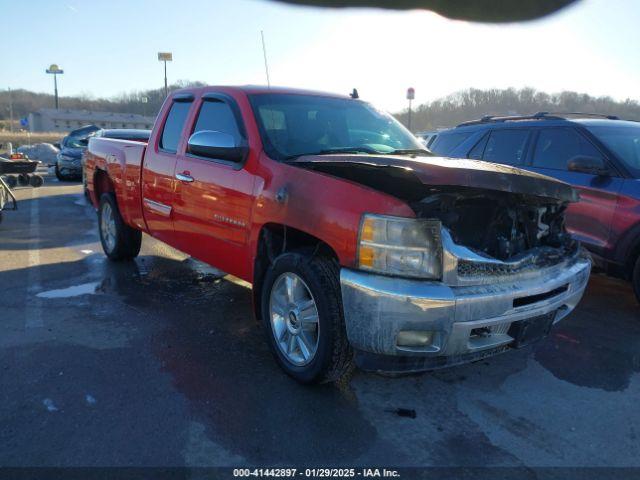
x=410 y=151
x=330 y=151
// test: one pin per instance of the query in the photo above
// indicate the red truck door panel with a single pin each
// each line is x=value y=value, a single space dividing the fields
x=213 y=198
x=158 y=173
x=590 y=219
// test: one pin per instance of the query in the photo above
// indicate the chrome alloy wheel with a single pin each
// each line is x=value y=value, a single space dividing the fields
x=108 y=227
x=294 y=319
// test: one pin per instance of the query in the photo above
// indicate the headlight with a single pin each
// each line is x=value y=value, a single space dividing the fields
x=400 y=246
x=65 y=158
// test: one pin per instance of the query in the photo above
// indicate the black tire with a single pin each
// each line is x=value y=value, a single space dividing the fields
x=59 y=175
x=127 y=240
x=23 y=180
x=11 y=181
x=36 y=181
x=333 y=358
x=635 y=279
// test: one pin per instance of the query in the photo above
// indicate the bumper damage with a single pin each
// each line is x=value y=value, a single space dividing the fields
x=459 y=323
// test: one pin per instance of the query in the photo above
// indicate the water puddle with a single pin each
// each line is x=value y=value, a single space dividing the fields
x=74 y=291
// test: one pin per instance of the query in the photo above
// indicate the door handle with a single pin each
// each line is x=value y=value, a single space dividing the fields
x=184 y=177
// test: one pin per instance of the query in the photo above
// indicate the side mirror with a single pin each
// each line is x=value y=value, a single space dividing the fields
x=586 y=164
x=217 y=145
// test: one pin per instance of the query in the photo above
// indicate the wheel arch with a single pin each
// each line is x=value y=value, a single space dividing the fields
x=275 y=239
x=102 y=183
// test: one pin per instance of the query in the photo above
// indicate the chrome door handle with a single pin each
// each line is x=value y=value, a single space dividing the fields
x=184 y=178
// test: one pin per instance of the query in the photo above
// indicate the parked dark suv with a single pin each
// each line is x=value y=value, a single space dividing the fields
x=599 y=155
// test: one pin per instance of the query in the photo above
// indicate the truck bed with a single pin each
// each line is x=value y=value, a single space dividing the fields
x=122 y=160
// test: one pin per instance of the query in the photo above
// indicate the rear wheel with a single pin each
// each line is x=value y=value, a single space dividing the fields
x=636 y=279
x=119 y=240
x=303 y=319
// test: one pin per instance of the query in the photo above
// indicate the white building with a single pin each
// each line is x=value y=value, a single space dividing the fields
x=63 y=120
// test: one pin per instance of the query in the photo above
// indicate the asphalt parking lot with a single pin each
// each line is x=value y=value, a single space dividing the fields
x=160 y=363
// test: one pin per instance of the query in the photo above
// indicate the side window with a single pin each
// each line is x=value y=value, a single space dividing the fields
x=555 y=147
x=477 y=151
x=506 y=146
x=446 y=142
x=173 y=126
x=217 y=115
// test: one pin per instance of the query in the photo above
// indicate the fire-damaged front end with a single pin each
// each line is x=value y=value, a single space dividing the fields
x=485 y=266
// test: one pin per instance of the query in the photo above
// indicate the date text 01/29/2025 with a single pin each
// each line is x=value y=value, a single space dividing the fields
x=316 y=472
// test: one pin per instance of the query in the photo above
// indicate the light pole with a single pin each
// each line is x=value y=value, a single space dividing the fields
x=165 y=57
x=10 y=111
x=411 y=94
x=55 y=71
x=144 y=101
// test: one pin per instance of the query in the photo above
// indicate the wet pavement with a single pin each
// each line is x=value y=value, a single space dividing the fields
x=159 y=362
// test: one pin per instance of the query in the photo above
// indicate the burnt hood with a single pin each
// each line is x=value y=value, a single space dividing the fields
x=409 y=177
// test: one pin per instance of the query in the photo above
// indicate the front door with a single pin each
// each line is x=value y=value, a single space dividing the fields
x=213 y=199
x=590 y=219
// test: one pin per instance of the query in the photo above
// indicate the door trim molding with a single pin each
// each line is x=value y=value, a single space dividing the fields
x=157 y=207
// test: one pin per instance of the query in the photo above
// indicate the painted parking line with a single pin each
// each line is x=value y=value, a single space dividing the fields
x=33 y=304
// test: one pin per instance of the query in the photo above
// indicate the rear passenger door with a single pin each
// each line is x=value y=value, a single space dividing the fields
x=213 y=198
x=158 y=181
x=589 y=220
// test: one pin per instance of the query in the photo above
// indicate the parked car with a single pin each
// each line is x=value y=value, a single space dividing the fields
x=354 y=237
x=44 y=152
x=68 y=162
x=599 y=155
x=136 y=135
x=427 y=137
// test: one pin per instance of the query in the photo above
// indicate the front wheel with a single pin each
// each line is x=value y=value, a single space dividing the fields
x=119 y=241
x=635 y=279
x=59 y=175
x=303 y=319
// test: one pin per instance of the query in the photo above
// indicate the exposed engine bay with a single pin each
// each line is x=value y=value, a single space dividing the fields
x=497 y=211
x=501 y=225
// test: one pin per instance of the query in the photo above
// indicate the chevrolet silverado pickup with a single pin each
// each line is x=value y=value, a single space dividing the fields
x=361 y=246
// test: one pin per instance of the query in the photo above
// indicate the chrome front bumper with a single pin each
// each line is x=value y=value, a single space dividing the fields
x=465 y=320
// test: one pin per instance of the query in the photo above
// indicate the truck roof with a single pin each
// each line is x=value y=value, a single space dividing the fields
x=258 y=89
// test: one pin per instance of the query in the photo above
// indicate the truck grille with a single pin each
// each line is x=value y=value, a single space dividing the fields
x=488 y=269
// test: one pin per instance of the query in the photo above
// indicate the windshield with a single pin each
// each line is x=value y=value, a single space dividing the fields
x=76 y=142
x=294 y=125
x=624 y=142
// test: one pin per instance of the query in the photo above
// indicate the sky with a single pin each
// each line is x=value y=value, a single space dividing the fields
x=110 y=47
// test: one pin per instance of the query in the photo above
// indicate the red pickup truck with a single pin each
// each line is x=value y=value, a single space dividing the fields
x=360 y=245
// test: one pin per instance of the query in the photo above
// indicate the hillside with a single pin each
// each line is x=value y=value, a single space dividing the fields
x=470 y=104
x=25 y=101
x=444 y=112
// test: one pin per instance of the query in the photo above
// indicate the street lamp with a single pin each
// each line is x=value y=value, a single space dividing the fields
x=55 y=71
x=411 y=94
x=144 y=101
x=165 y=57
